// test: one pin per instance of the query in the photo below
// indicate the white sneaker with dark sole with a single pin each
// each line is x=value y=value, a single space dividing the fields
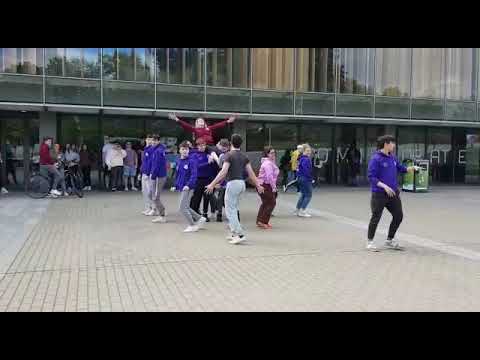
x=393 y=245
x=191 y=228
x=201 y=223
x=236 y=239
x=372 y=247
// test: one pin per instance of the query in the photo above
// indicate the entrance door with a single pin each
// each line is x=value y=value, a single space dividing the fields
x=19 y=148
x=349 y=157
x=466 y=143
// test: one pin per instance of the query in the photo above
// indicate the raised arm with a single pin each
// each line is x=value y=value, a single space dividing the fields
x=221 y=124
x=185 y=125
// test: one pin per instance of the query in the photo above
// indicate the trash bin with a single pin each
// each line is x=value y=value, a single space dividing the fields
x=421 y=176
x=418 y=180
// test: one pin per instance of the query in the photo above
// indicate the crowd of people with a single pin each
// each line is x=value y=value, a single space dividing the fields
x=214 y=176
x=55 y=158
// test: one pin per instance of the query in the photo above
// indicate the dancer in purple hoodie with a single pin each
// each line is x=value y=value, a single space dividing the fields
x=145 y=170
x=267 y=177
x=305 y=178
x=158 y=178
x=186 y=181
x=382 y=173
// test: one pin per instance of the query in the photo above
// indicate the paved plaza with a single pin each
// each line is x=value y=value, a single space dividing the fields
x=99 y=254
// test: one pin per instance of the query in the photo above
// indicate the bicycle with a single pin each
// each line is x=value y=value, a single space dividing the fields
x=40 y=185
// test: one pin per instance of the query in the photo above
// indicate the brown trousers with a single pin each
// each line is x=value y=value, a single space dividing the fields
x=269 y=200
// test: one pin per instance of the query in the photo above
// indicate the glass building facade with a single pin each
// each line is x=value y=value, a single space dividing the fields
x=329 y=97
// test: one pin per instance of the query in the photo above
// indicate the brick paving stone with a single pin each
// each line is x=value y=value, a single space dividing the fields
x=99 y=254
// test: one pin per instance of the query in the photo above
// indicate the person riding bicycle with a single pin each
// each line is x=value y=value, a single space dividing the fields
x=48 y=166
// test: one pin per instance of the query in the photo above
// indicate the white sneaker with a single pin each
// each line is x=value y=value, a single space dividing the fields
x=237 y=239
x=191 y=228
x=89 y=188
x=55 y=192
x=201 y=222
x=4 y=191
x=371 y=246
x=295 y=212
x=160 y=219
x=303 y=213
x=126 y=189
x=146 y=211
x=85 y=188
x=134 y=189
x=230 y=237
x=66 y=194
x=152 y=212
x=393 y=244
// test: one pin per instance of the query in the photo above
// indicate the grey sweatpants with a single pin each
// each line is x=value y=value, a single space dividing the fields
x=191 y=215
x=157 y=187
x=146 y=192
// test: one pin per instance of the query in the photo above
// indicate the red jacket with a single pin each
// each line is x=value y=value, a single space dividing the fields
x=205 y=132
x=45 y=158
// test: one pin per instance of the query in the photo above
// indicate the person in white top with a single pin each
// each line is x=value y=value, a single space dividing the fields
x=114 y=162
x=106 y=148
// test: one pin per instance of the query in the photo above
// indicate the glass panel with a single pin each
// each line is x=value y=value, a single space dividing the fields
x=373 y=133
x=356 y=70
x=314 y=104
x=315 y=70
x=319 y=137
x=73 y=62
x=273 y=68
x=472 y=157
x=73 y=91
x=128 y=94
x=461 y=111
x=19 y=142
x=354 y=105
x=128 y=64
x=461 y=73
x=440 y=155
x=22 y=61
x=349 y=155
x=427 y=109
x=270 y=102
x=256 y=136
x=180 y=97
x=386 y=107
x=180 y=65
x=229 y=100
x=411 y=143
x=22 y=88
x=392 y=73
x=428 y=72
x=83 y=129
x=228 y=67
x=123 y=128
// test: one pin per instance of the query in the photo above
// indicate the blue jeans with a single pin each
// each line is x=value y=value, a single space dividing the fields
x=234 y=190
x=305 y=187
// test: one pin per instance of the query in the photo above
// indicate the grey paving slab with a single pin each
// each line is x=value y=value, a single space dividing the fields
x=100 y=254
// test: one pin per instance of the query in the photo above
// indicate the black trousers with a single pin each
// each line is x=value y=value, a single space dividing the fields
x=199 y=194
x=380 y=201
x=117 y=175
x=87 y=180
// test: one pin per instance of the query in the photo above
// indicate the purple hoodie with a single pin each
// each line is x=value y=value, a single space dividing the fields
x=205 y=170
x=384 y=168
x=305 y=168
x=147 y=160
x=268 y=173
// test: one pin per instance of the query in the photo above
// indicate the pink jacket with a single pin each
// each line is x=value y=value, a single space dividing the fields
x=268 y=173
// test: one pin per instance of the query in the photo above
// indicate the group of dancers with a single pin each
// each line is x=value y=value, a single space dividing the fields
x=218 y=175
